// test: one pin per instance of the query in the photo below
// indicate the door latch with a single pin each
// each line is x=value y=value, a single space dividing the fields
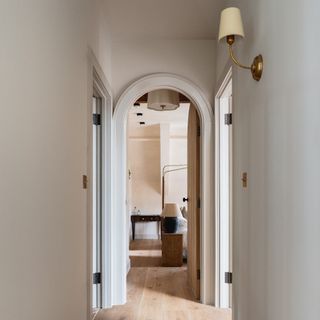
x=84 y=182
x=244 y=179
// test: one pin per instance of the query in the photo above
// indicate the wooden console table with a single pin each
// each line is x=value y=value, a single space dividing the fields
x=148 y=218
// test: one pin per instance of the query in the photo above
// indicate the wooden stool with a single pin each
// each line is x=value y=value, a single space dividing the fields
x=172 y=247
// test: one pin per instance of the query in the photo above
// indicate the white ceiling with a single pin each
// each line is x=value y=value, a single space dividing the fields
x=163 y=19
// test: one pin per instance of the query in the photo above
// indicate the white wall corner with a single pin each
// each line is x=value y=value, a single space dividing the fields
x=128 y=264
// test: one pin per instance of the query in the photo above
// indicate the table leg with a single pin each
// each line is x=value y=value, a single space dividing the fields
x=133 y=229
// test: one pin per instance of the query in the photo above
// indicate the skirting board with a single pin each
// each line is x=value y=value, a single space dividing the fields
x=146 y=237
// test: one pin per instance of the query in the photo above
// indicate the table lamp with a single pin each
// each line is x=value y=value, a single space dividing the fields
x=171 y=212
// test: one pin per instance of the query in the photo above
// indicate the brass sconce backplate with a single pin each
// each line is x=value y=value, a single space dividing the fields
x=257 y=67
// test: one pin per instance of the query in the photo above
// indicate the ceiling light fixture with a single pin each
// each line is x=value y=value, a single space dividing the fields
x=230 y=27
x=163 y=100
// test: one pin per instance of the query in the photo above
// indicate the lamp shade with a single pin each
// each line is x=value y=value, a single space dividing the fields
x=163 y=100
x=171 y=210
x=230 y=23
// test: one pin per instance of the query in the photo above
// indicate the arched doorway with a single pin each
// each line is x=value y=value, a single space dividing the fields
x=119 y=223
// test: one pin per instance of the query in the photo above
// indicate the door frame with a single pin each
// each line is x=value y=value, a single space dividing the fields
x=228 y=75
x=98 y=84
x=98 y=198
x=119 y=236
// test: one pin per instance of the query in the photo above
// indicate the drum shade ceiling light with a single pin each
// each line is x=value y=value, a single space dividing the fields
x=163 y=100
x=230 y=27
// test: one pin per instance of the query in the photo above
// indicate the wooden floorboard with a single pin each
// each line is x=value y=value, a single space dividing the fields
x=159 y=293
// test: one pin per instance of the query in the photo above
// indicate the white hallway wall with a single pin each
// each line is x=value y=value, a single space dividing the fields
x=43 y=62
x=100 y=37
x=277 y=134
x=193 y=59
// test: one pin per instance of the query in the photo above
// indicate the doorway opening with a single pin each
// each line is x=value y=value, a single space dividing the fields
x=163 y=162
x=223 y=111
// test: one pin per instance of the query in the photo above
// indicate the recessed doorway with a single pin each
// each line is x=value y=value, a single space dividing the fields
x=164 y=174
x=120 y=219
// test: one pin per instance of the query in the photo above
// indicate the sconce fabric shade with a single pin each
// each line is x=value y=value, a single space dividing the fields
x=171 y=210
x=163 y=100
x=231 y=23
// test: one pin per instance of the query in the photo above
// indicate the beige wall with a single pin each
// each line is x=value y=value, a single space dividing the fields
x=176 y=182
x=43 y=78
x=147 y=148
x=276 y=140
x=144 y=157
x=145 y=182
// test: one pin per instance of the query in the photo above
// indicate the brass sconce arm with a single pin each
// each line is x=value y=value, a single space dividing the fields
x=257 y=64
x=234 y=59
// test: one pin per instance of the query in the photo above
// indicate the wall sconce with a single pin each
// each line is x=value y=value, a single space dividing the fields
x=230 y=27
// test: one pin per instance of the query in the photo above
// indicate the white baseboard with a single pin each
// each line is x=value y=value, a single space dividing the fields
x=147 y=236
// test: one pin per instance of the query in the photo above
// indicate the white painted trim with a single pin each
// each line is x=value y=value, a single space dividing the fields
x=156 y=138
x=119 y=219
x=146 y=236
x=144 y=138
x=227 y=77
x=98 y=82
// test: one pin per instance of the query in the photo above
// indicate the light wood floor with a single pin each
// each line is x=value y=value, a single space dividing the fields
x=158 y=293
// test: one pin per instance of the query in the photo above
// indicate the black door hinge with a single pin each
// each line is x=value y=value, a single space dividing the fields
x=198 y=274
x=228 y=119
x=96 y=278
x=199 y=131
x=228 y=277
x=96 y=119
x=199 y=203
